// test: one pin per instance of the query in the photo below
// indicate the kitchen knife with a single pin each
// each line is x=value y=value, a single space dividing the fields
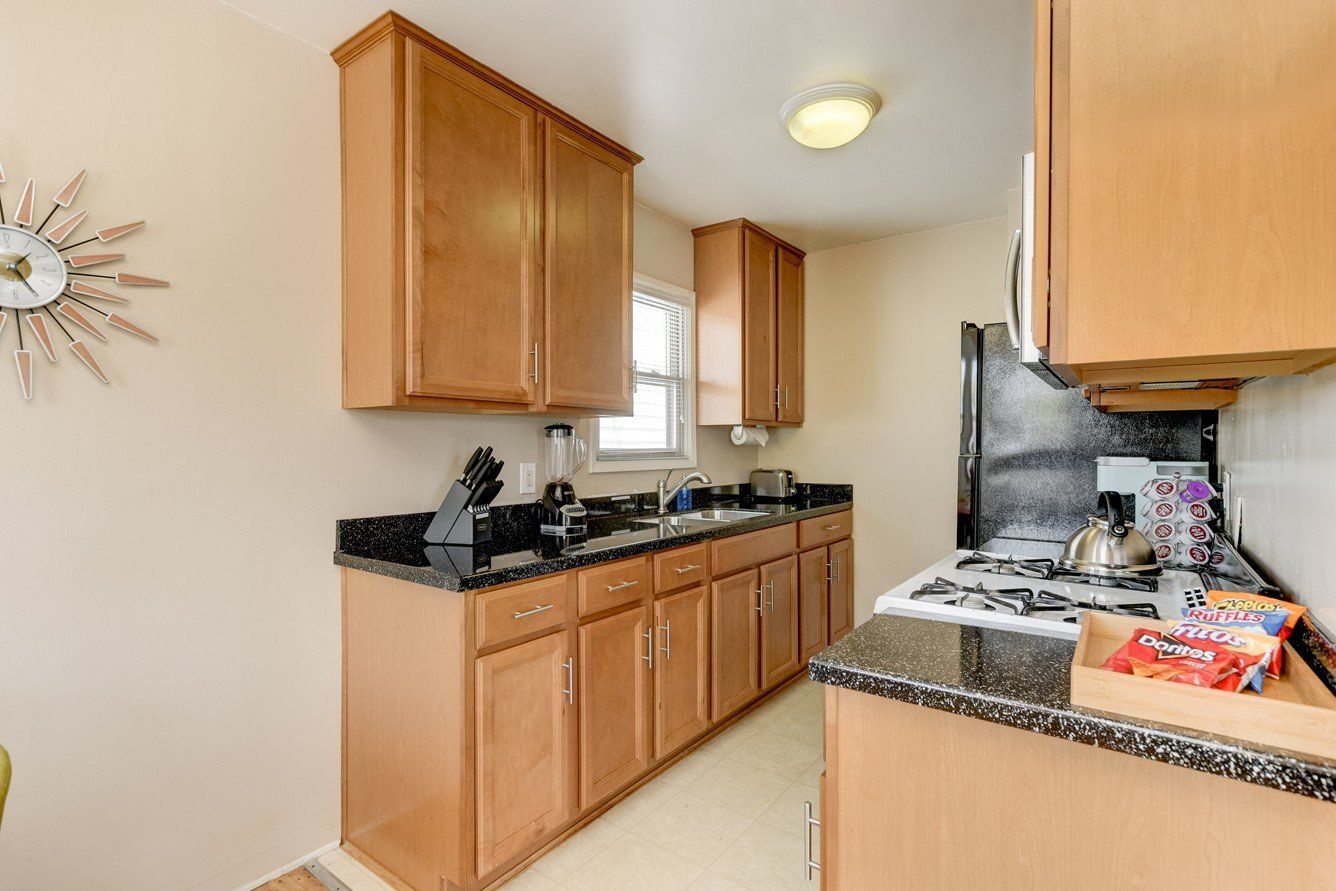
x=476 y=475
x=472 y=462
x=492 y=472
x=483 y=497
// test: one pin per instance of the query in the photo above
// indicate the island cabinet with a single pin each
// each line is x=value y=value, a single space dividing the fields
x=481 y=226
x=483 y=727
x=749 y=309
x=1185 y=195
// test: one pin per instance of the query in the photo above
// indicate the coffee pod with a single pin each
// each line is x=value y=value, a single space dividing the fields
x=1164 y=552
x=1200 y=511
x=1161 y=487
x=1161 y=509
x=1196 y=490
x=1198 y=533
x=1197 y=555
x=1163 y=530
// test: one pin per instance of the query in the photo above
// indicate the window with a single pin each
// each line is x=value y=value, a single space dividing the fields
x=662 y=431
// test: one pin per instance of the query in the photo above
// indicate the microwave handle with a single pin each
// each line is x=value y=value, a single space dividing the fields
x=1012 y=284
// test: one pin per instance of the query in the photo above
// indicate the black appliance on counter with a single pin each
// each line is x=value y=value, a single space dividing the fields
x=563 y=454
x=1026 y=468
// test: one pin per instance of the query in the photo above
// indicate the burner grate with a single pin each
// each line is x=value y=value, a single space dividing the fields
x=1048 y=570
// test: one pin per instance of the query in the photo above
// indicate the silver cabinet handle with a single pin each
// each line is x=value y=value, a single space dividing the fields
x=667 y=648
x=786 y=397
x=830 y=572
x=569 y=689
x=832 y=527
x=541 y=608
x=635 y=382
x=808 y=822
x=760 y=600
x=535 y=361
x=649 y=646
x=681 y=569
x=620 y=585
x=770 y=586
x=776 y=396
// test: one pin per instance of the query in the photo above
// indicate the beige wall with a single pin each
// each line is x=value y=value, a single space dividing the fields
x=169 y=623
x=1279 y=444
x=883 y=372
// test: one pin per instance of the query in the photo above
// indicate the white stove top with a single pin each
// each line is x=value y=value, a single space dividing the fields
x=995 y=605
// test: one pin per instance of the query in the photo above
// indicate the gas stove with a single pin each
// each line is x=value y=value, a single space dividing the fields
x=1022 y=593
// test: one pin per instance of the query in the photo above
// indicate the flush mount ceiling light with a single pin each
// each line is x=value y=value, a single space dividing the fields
x=829 y=115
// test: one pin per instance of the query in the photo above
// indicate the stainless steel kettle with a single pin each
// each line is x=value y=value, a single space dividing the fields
x=1108 y=546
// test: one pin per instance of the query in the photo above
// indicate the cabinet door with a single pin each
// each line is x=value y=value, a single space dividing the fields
x=779 y=622
x=841 y=599
x=613 y=699
x=472 y=257
x=1216 y=240
x=522 y=737
x=681 y=669
x=758 y=327
x=789 y=336
x=735 y=616
x=811 y=603
x=588 y=273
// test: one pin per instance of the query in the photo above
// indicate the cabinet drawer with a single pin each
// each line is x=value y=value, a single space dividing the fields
x=728 y=554
x=604 y=587
x=820 y=530
x=680 y=568
x=508 y=613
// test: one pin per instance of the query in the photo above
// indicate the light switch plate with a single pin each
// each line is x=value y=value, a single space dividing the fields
x=528 y=479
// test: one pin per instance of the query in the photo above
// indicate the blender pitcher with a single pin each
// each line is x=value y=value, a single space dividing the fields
x=563 y=454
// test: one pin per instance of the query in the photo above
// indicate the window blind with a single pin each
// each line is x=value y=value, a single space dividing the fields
x=660 y=339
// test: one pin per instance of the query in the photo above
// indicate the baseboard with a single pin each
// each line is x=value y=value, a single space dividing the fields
x=284 y=870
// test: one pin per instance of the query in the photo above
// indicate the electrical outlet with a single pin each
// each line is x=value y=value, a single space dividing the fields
x=528 y=479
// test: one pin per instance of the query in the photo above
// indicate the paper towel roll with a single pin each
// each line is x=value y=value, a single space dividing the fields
x=749 y=436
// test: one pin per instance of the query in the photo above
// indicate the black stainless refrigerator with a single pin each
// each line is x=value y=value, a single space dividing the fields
x=1027 y=450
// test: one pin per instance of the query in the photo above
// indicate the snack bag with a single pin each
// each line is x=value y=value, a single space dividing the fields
x=1252 y=652
x=1259 y=603
x=1160 y=655
x=1265 y=624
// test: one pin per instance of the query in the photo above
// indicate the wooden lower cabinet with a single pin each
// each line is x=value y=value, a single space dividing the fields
x=613 y=702
x=841 y=588
x=681 y=670
x=811 y=603
x=735 y=620
x=779 y=621
x=522 y=757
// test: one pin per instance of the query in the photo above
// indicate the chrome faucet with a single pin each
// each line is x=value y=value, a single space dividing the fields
x=667 y=495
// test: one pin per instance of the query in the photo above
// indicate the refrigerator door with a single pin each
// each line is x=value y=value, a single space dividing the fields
x=971 y=349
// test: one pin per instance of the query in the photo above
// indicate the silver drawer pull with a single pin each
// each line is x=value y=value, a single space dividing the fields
x=681 y=569
x=808 y=822
x=620 y=585
x=832 y=527
x=541 y=608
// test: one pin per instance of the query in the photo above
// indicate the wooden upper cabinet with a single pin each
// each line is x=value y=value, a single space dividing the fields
x=1185 y=188
x=749 y=311
x=789 y=336
x=522 y=747
x=613 y=699
x=588 y=273
x=481 y=225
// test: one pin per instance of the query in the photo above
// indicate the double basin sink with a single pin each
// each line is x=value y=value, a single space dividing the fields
x=698 y=519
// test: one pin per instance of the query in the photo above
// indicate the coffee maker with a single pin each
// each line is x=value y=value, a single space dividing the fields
x=563 y=454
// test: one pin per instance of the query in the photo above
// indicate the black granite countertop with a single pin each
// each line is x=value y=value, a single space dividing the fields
x=393 y=545
x=1023 y=680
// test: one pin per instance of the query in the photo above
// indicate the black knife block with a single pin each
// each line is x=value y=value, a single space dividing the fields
x=456 y=523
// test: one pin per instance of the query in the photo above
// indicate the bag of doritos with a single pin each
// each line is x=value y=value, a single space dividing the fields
x=1252 y=652
x=1259 y=603
x=1162 y=656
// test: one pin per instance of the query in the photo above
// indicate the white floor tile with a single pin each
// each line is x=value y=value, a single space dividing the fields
x=741 y=788
x=764 y=859
x=796 y=723
x=529 y=881
x=684 y=772
x=692 y=827
x=710 y=881
x=786 y=814
x=730 y=739
x=640 y=803
x=577 y=850
x=780 y=755
x=812 y=776
x=633 y=863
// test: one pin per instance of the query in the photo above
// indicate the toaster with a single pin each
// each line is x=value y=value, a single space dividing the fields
x=773 y=484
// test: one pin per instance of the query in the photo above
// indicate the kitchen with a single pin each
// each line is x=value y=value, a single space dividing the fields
x=659 y=653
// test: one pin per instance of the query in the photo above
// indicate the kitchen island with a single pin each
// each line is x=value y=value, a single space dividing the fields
x=954 y=758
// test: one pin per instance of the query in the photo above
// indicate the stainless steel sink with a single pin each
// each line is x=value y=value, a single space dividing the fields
x=722 y=516
x=668 y=521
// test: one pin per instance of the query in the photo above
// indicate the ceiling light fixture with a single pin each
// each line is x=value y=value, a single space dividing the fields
x=829 y=115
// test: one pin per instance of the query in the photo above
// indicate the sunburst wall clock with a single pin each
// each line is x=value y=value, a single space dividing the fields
x=41 y=281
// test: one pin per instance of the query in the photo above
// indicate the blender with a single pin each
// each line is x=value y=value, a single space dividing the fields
x=563 y=454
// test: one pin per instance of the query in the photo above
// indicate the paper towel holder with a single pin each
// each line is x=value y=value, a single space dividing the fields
x=757 y=435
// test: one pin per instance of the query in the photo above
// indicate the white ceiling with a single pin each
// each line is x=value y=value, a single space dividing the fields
x=695 y=86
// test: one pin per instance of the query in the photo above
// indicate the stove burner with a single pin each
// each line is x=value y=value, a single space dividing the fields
x=1025 y=602
x=1048 y=600
x=1048 y=570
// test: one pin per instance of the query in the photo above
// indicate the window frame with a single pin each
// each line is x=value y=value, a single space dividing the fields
x=685 y=298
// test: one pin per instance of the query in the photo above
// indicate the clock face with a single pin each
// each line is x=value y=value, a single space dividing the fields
x=32 y=274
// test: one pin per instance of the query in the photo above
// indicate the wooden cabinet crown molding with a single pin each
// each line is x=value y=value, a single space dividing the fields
x=744 y=223
x=391 y=22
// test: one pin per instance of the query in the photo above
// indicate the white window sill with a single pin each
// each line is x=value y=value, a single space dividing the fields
x=638 y=464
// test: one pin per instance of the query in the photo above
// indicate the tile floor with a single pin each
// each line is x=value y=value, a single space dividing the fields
x=728 y=816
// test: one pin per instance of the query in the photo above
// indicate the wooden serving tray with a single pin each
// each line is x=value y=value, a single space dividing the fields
x=1295 y=712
